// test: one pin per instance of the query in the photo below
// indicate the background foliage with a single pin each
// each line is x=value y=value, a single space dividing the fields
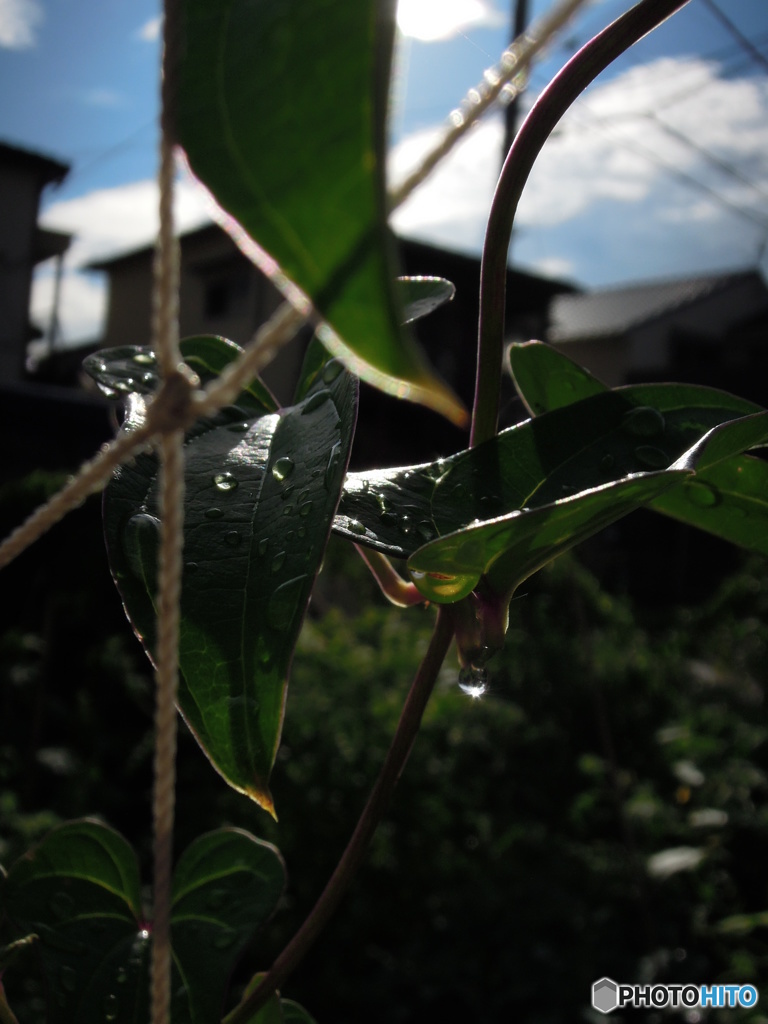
x=513 y=868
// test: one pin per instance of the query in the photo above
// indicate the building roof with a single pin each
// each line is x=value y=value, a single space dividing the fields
x=47 y=167
x=614 y=311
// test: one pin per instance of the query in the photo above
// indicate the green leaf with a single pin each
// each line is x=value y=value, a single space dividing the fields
x=225 y=887
x=602 y=439
x=281 y=113
x=79 y=891
x=728 y=499
x=508 y=550
x=420 y=296
x=261 y=495
x=727 y=495
x=546 y=379
x=295 y=1014
x=132 y=369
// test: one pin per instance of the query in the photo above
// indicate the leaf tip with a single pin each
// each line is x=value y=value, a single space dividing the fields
x=261 y=796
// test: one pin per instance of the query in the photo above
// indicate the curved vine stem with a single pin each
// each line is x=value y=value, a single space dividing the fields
x=553 y=102
x=397 y=755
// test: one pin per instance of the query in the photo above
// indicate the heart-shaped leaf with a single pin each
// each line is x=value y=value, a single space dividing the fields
x=281 y=113
x=225 y=886
x=276 y=1010
x=260 y=498
x=79 y=891
x=727 y=495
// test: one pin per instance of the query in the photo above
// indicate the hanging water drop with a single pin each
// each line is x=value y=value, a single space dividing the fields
x=331 y=370
x=225 y=482
x=355 y=526
x=282 y=468
x=473 y=681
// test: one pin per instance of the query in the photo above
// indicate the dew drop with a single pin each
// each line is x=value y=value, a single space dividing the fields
x=111 y=1007
x=405 y=524
x=122 y=975
x=473 y=681
x=148 y=378
x=145 y=358
x=701 y=494
x=444 y=588
x=288 y=510
x=283 y=603
x=141 y=540
x=278 y=561
x=333 y=461
x=263 y=545
x=282 y=468
x=232 y=538
x=286 y=492
x=68 y=978
x=191 y=567
x=213 y=513
x=225 y=482
x=331 y=370
x=355 y=526
x=607 y=463
x=302 y=532
x=644 y=421
x=61 y=905
x=654 y=458
x=238 y=428
x=314 y=402
x=217 y=899
x=223 y=940
x=425 y=531
x=305 y=509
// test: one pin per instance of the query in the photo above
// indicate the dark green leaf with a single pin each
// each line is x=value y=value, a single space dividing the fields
x=509 y=549
x=602 y=439
x=725 y=498
x=419 y=296
x=728 y=499
x=546 y=379
x=261 y=495
x=295 y=1014
x=132 y=369
x=225 y=887
x=79 y=891
x=281 y=112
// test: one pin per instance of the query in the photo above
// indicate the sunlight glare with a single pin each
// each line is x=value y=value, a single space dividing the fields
x=436 y=20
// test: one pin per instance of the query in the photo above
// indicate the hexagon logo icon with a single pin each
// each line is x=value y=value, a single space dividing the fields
x=605 y=995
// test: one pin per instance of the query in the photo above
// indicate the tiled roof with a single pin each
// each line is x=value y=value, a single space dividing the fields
x=614 y=311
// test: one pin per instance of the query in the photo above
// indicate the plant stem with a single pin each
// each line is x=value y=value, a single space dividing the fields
x=553 y=102
x=397 y=755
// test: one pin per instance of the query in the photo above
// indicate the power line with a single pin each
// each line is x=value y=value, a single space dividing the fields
x=746 y=44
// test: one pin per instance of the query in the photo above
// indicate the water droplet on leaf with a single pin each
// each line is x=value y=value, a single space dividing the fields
x=644 y=421
x=333 y=461
x=305 y=509
x=278 y=561
x=111 y=1007
x=355 y=526
x=213 y=513
x=284 y=602
x=232 y=538
x=331 y=370
x=282 y=468
x=144 y=358
x=141 y=542
x=263 y=545
x=225 y=482
x=314 y=402
x=702 y=494
x=654 y=458
x=238 y=428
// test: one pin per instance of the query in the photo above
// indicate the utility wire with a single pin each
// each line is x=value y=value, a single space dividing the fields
x=746 y=44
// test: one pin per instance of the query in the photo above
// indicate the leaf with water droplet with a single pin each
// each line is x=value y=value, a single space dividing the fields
x=225 y=886
x=243 y=538
x=420 y=296
x=207 y=355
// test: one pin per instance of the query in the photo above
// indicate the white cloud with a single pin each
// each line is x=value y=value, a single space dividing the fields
x=150 y=30
x=105 y=223
x=19 y=20
x=103 y=98
x=612 y=186
x=437 y=20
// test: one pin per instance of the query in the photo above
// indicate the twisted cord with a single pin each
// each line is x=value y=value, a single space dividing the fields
x=90 y=478
x=165 y=337
x=513 y=64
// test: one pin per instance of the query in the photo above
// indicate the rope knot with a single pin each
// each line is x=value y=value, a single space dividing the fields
x=172 y=407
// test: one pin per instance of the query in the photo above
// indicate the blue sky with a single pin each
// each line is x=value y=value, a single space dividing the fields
x=661 y=170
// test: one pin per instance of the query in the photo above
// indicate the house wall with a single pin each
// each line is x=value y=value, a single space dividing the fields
x=608 y=359
x=19 y=196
